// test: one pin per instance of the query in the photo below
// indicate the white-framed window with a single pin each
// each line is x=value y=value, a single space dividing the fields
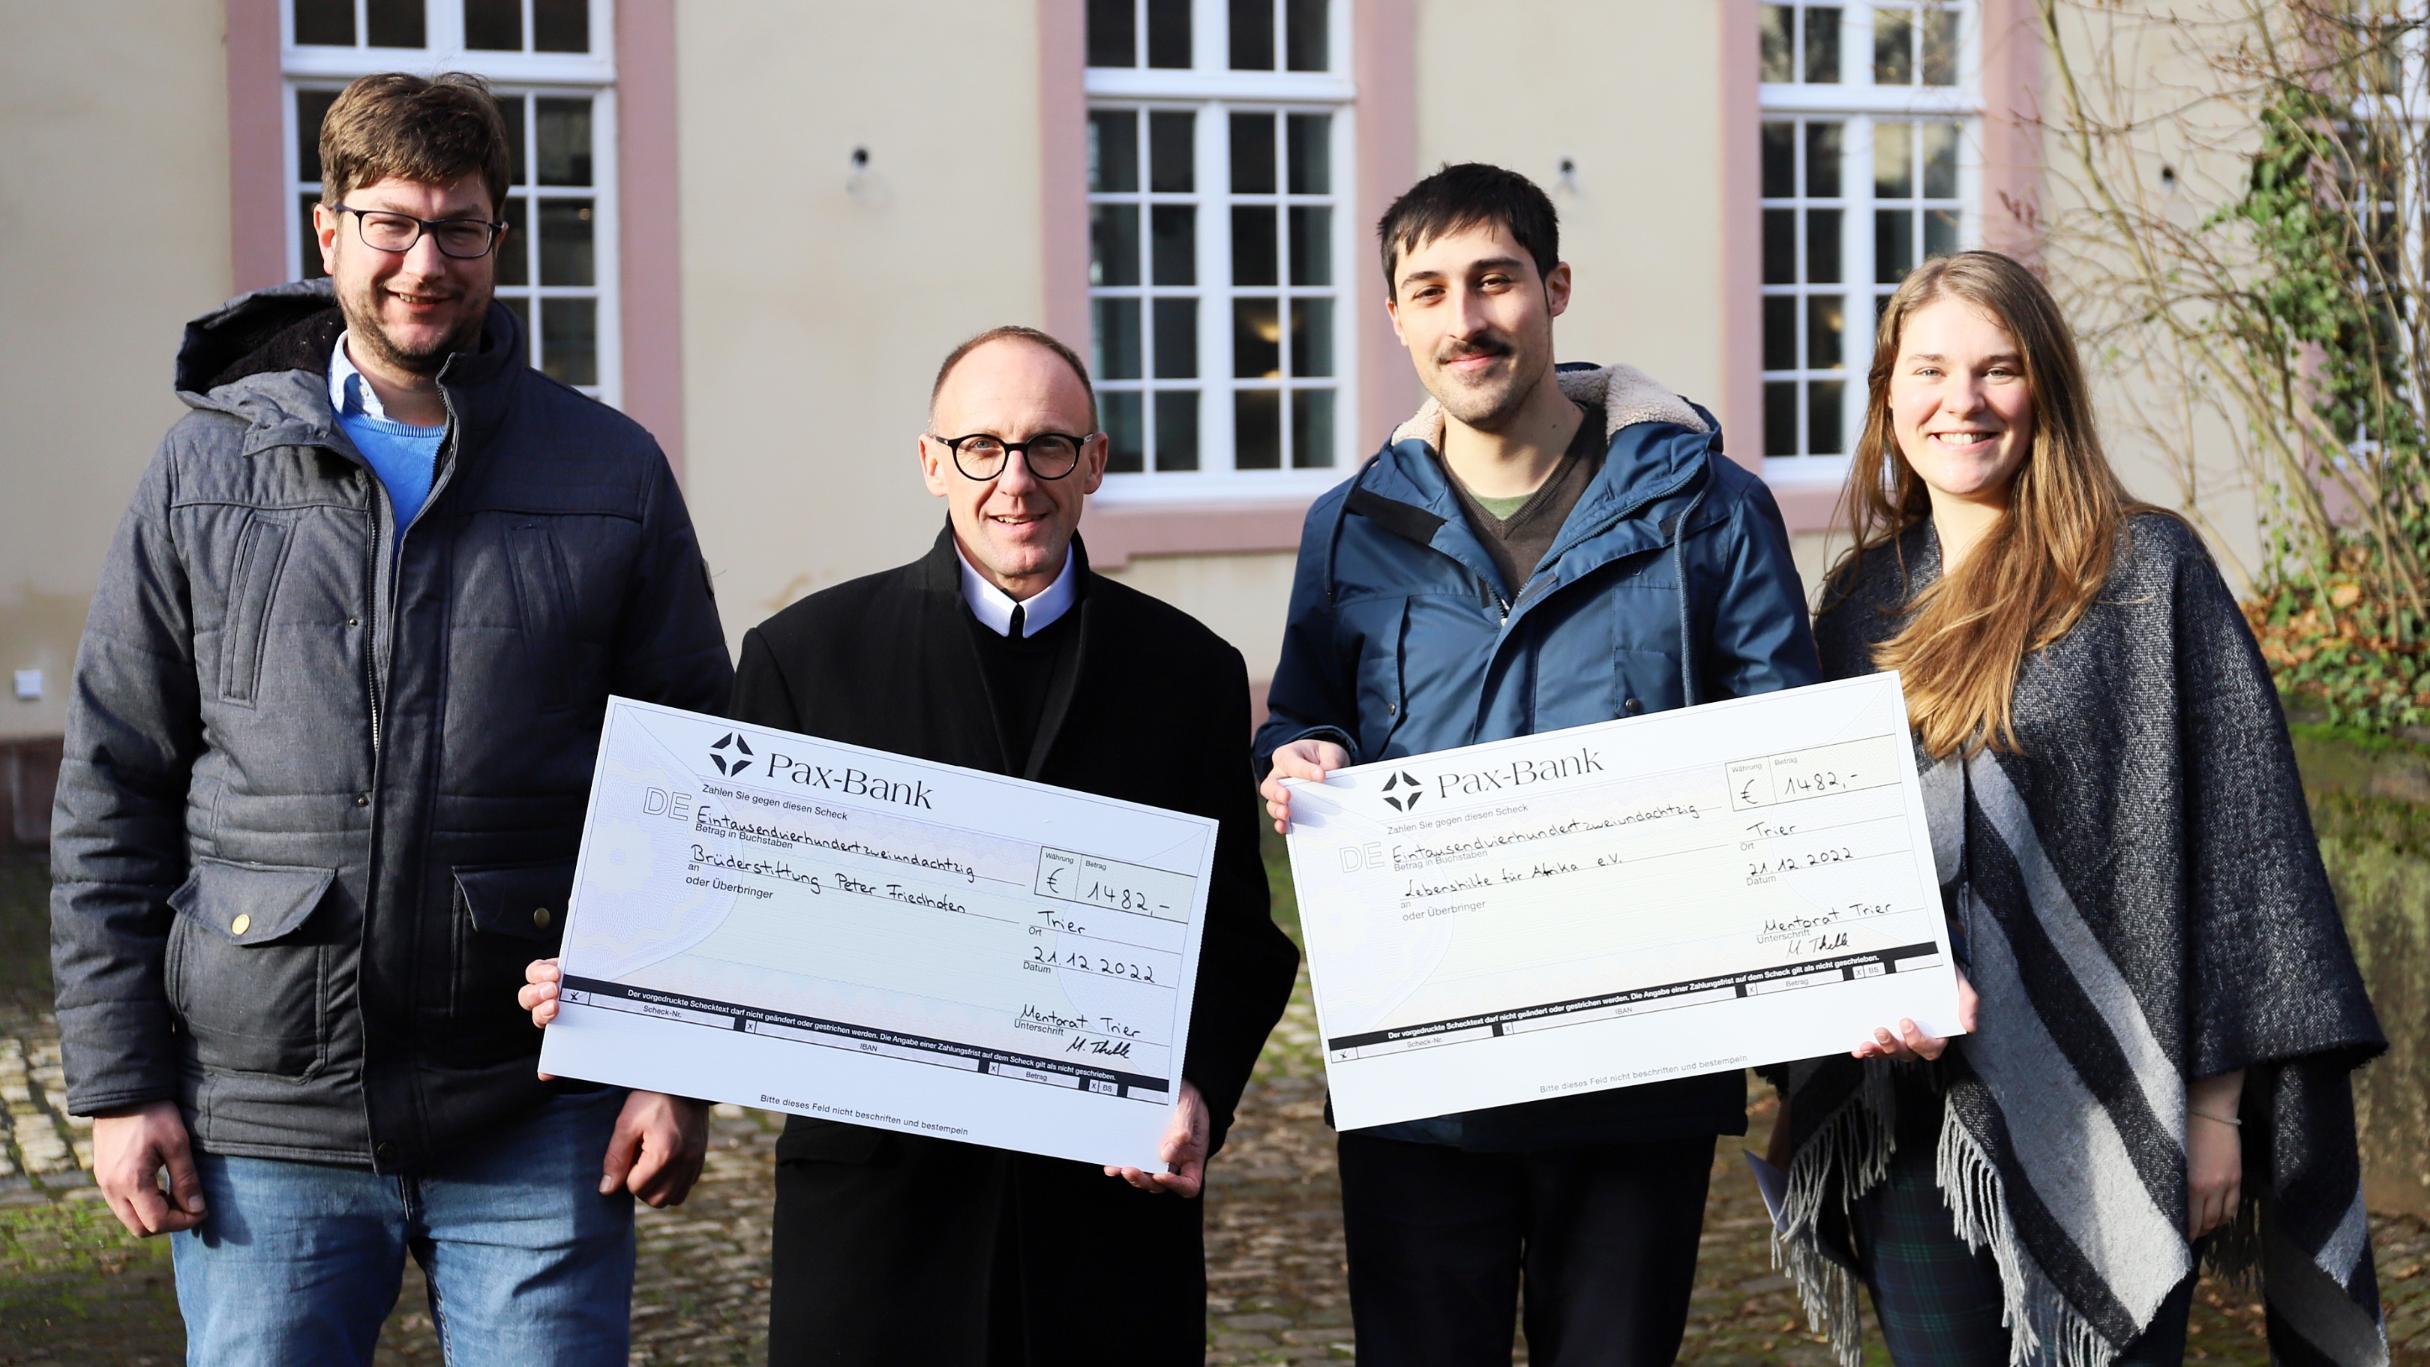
x=2384 y=178
x=552 y=64
x=1221 y=244
x=1872 y=162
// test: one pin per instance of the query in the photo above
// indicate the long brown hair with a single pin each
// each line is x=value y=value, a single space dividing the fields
x=2038 y=567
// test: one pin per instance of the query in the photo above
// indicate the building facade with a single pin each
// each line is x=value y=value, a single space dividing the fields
x=756 y=226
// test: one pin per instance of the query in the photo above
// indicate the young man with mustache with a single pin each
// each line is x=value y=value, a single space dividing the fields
x=328 y=748
x=1537 y=548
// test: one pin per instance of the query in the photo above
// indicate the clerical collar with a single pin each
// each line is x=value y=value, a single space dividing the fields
x=994 y=607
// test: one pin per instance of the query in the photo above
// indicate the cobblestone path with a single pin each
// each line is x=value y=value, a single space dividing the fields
x=74 y=1289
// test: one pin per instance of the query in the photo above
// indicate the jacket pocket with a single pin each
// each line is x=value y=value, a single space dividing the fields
x=544 y=596
x=1380 y=682
x=261 y=551
x=505 y=918
x=245 y=977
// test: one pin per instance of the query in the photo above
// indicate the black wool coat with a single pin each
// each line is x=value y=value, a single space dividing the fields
x=1150 y=707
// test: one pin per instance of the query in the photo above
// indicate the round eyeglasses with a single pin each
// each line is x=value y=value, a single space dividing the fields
x=466 y=239
x=983 y=455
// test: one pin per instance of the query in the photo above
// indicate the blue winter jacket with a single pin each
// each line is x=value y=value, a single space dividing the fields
x=1670 y=584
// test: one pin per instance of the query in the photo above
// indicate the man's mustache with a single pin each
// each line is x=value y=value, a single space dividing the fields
x=1489 y=345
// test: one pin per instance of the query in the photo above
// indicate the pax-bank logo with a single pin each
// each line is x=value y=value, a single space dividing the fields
x=731 y=754
x=1401 y=791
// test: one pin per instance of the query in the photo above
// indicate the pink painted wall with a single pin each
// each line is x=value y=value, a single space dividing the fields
x=648 y=273
x=257 y=160
x=1740 y=117
x=2013 y=54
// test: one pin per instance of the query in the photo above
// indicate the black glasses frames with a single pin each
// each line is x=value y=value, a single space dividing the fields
x=984 y=455
x=386 y=230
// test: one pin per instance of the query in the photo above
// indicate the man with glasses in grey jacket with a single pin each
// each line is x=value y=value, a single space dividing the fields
x=329 y=744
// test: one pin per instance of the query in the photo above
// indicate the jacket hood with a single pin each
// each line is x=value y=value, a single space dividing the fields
x=264 y=357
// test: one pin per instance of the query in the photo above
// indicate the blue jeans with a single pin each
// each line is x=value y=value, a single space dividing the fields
x=527 y=1263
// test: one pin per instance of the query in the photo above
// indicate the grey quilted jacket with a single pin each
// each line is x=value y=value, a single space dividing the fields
x=321 y=797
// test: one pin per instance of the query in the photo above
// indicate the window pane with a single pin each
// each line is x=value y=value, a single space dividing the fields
x=1113 y=150
x=522 y=309
x=1252 y=154
x=1824 y=315
x=311 y=106
x=325 y=22
x=1252 y=29
x=494 y=25
x=1823 y=144
x=1774 y=28
x=1168 y=35
x=1893 y=244
x=1940 y=232
x=1256 y=339
x=1257 y=430
x=561 y=25
x=1113 y=235
x=569 y=340
x=1119 y=413
x=1311 y=338
x=565 y=242
x=1780 y=332
x=1940 y=46
x=517 y=110
x=1172 y=160
x=1253 y=246
x=1176 y=429
x=1823 y=418
x=1117 y=330
x=1173 y=243
x=1893 y=160
x=565 y=141
x=394 y=23
x=1893 y=47
x=1176 y=339
x=1780 y=246
x=1311 y=429
x=1113 y=33
x=1779 y=160
x=1780 y=418
x=1822 y=45
x=1940 y=160
x=515 y=250
x=1311 y=245
x=1306 y=45
x=1822 y=246
x=308 y=255
x=1311 y=153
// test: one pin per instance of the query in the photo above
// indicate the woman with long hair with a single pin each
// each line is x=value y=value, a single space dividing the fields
x=2162 y=1006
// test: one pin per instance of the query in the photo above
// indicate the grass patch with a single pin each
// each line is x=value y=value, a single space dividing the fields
x=25 y=930
x=69 y=1274
x=1277 y=856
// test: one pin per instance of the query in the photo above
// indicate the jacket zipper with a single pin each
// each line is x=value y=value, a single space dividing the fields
x=371 y=623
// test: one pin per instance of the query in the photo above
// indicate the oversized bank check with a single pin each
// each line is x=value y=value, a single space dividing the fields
x=1689 y=892
x=831 y=931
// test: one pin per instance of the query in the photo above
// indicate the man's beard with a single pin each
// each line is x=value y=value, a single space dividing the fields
x=363 y=329
x=1483 y=408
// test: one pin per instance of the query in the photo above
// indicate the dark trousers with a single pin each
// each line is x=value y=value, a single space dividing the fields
x=1940 y=1301
x=1440 y=1240
x=904 y=1250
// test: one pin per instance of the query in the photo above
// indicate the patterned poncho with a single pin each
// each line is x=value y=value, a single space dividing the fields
x=2141 y=902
